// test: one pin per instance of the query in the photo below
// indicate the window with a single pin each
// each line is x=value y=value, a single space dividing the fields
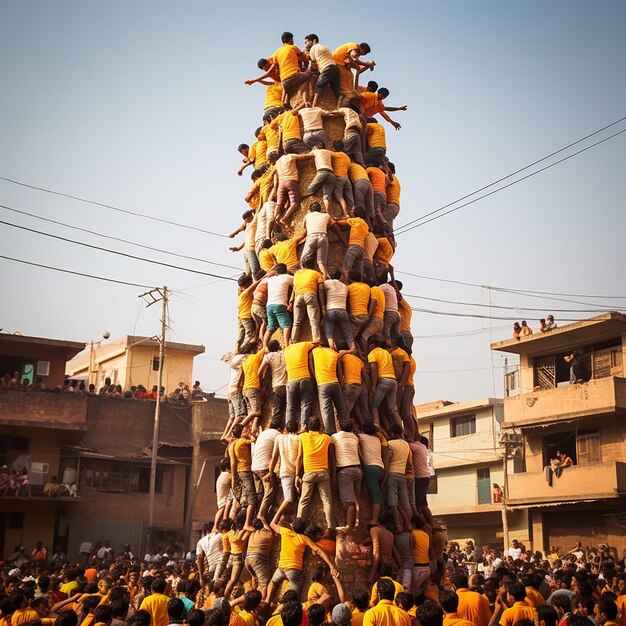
x=117 y=477
x=12 y=447
x=588 y=448
x=465 y=425
x=483 y=482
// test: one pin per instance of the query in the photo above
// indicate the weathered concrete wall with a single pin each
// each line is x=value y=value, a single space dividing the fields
x=51 y=410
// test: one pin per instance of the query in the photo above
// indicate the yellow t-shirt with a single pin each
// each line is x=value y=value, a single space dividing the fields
x=69 y=588
x=244 y=304
x=374 y=595
x=382 y=358
x=420 y=542
x=352 y=367
x=286 y=57
x=393 y=191
x=243 y=453
x=21 y=616
x=292 y=547
x=266 y=183
x=325 y=362
x=357 y=172
x=248 y=618
x=290 y=125
x=376 y=136
x=341 y=53
x=316 y=590
x=412 y=367
x=273 y=96
x=266 y=259
x=378 y=295
x=237 y=546
x=520 y=610
x=271 y=134
x=358 y=298
x=297 y=360
x=261 y=154
x=156 y=605
x=250 y=367
x=341 y=163
x=315 y=451
x=286 y=252
x=384 y=252
x=358 y=231
x=406 y=313
x=306 y=281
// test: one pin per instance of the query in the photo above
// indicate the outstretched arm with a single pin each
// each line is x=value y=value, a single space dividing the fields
x=272 y=68
x=392 y=122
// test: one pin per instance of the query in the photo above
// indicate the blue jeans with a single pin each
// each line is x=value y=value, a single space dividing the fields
x=331 y=397
x=300 y=397
x=338 y=317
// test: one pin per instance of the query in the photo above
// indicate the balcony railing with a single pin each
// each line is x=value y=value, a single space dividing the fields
x=579 y=482
x=596 y=397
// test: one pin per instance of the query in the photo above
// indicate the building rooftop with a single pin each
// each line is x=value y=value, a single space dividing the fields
x=443 y=408
x=71 y=347
x=568 y=337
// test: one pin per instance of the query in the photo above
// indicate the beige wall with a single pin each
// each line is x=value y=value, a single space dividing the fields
x=479 y=447
x=457 y=489
x=39 y=521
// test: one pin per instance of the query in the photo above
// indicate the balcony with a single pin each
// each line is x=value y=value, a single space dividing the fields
x=602 y=396
x=576 y=483
x=43 y=410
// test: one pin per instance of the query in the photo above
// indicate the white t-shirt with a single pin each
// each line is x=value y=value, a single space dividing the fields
x=216 y=547
x=346 y=448
x=288 y=451
x=262 y=450
x=276 y=362
x=336 y=294
x=202 y=547
x=323 y=159
x=316 y=222
x=235 y=372
x=321 y=56
x=312 y=118
x=278 y=288
x=222 y=487
x=287 y=167
x=371 y=450
x=351 y=117
x=391 y=298
x=261 y=223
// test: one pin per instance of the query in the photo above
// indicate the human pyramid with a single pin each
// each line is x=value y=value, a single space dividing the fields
x=322 y=323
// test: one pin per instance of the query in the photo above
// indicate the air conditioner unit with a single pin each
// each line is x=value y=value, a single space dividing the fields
x=39 y=473
x=43 y=368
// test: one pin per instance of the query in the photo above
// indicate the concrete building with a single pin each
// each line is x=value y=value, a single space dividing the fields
x=33 y=428
x=585 y=420
x=132 y=360
x=464 y=441
x=104 y=446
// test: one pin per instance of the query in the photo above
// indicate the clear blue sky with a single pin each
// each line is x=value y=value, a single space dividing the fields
x=142 y=104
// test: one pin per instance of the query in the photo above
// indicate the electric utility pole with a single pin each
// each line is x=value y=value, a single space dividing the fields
x=156 y=295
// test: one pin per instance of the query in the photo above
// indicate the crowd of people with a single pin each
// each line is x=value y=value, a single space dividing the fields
x=182 y=394
x=582 y=586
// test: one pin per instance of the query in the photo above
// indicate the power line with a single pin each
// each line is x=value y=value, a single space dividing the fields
x=124 y=254
x=535 y=294
x=510 y=308
x=477 y=315
x=59 y=269
x=495 y=182
x=519 y=180
x=110 y=206
x=132 y=243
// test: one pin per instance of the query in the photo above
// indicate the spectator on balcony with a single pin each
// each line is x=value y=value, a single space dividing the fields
x=564 y=461
x=578 y=372
x=527 y=331
x=517 y=330
x=497 y=493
